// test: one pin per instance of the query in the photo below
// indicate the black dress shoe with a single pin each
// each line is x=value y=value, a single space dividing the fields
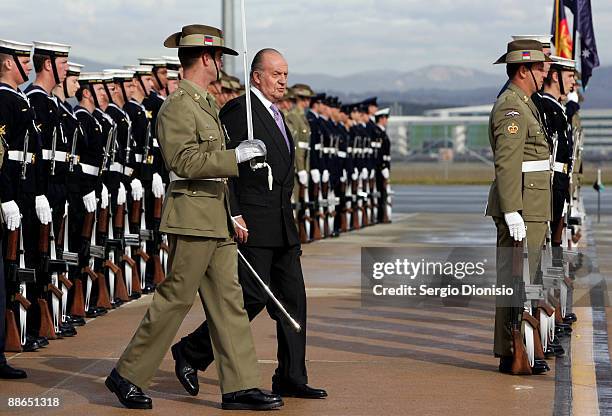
x=540 y=367
x=75 y=320
x=130 y=395
x=570 y=318
x=135 y=295
x=302 y=391
x=67 y=330
x=251 y=399
x=42 y=341
x=30 y=345
x=9 y=373
x=552 y=351
x=186 y=374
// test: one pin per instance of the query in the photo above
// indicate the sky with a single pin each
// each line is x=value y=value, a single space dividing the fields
x=337 y=37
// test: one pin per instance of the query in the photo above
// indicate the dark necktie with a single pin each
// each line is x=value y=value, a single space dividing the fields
x=281 y=125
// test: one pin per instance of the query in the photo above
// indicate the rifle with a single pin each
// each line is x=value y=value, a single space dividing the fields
x=520 y=360
x=128 y=146
x=53 y=148
x=107 y=149
x=24 y=161
x=73 y=156
x=132 y=279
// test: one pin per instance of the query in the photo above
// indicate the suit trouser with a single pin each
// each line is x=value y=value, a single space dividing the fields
x=209 y=266
x=281 y=270
x=536 y=234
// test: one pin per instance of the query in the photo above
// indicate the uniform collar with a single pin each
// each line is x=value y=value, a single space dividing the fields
x=519 y=91
x=194 y=90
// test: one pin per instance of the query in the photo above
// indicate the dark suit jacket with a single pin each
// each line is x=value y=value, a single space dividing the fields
x=268 y=214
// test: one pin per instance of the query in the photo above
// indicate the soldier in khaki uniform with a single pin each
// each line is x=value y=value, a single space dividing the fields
x=520 y=196
x=202 y=255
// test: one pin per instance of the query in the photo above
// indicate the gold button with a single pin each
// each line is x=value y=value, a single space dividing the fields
x=210 y=137
x=530 y=184
x=193 y=192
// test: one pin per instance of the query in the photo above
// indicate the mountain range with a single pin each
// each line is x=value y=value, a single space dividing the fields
x=424 y=88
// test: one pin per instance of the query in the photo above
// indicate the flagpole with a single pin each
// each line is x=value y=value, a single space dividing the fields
x=575 y=24
x=557 y=28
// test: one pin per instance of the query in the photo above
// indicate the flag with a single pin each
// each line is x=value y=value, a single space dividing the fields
x=583 y=16
x=208 y=40
x=560 y=31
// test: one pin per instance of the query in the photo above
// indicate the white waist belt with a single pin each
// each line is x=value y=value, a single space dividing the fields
x=138 y=157
x=341 y=154
x=116 y=167
x=59 y=156
x=560 y=167
x=17 y=156
x=536 y=166
x=174 y=177
x=90 y=169
x=317 y=146
x=349 y=150
x=128 y=171
x=155 y=143
x=303 y=145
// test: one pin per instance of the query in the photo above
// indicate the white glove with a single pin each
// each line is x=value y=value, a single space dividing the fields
x=158 y=186
x=12 y=215
x=343 y=177
x=250 y=149
x=137 y=190
x=90 y=202
x=573 y=96
x=372 y=174
x=355 y=175
x=43 y=210
x=315 y=175
x=516 y=225
x=104 y=197
x=303 y=177
x=364 y=173
x=121 y=194
x=325 y=176
x=385 y=173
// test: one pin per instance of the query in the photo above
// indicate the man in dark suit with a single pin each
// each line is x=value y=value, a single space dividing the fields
x=266 y=233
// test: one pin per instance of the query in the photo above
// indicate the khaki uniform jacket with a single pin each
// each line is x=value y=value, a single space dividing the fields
x=516 y=136
x=300 y=131
x=193 y=147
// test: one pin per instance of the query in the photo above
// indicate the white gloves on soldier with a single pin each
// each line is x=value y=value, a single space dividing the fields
x=355 y=174
x=43 y=210
x=372 y=174
x=343 y=178
x=12 y=215
x=516 y=225
x=385 y=173
x=137 y=190
x=315 y=175
x=303 y=177
x=121 y=194
x=158 y=186
x=89 y=201
x=250 y=149
x=325 y=176
x=364 y=173
x=104 y=197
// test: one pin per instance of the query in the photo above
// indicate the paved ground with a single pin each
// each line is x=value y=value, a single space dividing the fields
x=372 y=360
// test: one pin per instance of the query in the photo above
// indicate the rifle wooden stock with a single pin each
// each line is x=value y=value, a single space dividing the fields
x=135 y=276
x=142 y=254
x=316 y=229
x=158 y=270
x=46 y=328
x=301 y=193
x=55 y=290
x=549 y=310
x=344 y=220
x=88 y=223
x=59 y=239
x=164 y=246
x=520 y=361
x=78 y=301
x=135 y=212
x=326 y=230
x=119 y=217
x=355 y=218
x=103 y=221
x=22 y=300
x=43 y=238
x=120 y=287
x=157 y=208
x=103 y=296
x=537 y=340
x=302 y=231
x=12 y=338
x=89 y=272
x=64 y=280
x=12 y=245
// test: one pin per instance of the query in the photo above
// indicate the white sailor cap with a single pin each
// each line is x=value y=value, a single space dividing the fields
x=383 y=112
x=119 y=75
x=154 y=62
x=74 y=69
x=563 y=63
x=93 y=78
x=172 y=74
x=545 y=40
x=51 y=49
x=172 y=62
x=10 y=47
x=140 y=69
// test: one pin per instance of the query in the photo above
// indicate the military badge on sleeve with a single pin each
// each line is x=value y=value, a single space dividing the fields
x=513 y=128
x=513 y=113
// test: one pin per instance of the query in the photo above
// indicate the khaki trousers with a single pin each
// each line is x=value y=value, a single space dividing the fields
x=210 y=267
x=536 y=234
